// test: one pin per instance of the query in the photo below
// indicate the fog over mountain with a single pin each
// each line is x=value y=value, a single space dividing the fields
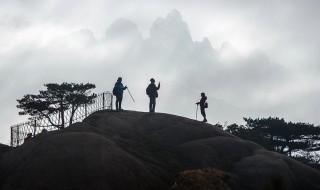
x=237 y=85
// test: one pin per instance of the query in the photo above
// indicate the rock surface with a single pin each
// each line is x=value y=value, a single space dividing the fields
x=3 y=149
x=135 y=150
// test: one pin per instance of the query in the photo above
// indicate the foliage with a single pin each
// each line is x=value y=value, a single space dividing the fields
x=278 y=135
x=307 y=158
x=57 y=98
x=202 y=179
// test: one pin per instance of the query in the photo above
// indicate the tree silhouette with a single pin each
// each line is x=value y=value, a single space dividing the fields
x=57 y=98
x=298 y=140
x=286 y=137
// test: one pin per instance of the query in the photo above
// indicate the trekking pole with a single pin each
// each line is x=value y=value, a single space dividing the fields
x=197 y=112
x=130 y=94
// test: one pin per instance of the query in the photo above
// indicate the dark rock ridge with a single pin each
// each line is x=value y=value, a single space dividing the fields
x=4 y=148
x=135 y=150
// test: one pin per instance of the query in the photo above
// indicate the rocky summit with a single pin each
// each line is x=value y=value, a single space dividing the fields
x=133 y=150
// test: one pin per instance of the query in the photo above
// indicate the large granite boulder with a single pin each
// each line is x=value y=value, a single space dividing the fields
x=135 y=150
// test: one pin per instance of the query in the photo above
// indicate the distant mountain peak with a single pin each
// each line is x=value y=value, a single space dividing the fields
x=228 y=52
x=174 y=15
x=122 y=28
x=171 y=30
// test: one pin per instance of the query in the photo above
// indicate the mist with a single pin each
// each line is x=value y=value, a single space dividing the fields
x=46 y=42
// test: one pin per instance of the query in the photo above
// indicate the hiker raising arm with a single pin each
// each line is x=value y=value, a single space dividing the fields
x=152 y=92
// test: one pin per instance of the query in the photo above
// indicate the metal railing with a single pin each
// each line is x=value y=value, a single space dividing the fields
x=36 y=125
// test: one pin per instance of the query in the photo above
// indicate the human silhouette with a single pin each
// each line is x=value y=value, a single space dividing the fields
x=29 y=136
x=152 y=92
x=118 y=92
x=203 y=105
x=44 y=131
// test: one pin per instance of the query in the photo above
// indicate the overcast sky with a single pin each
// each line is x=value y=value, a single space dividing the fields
x=251 y=58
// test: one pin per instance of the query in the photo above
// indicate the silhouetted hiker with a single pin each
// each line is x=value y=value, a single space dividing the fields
x=203 y=104
x=118 y=92
x=44 y=130
x=29 y=136
x=152 y=92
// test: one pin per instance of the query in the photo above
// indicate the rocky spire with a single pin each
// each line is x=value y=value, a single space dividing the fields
x=171 y=30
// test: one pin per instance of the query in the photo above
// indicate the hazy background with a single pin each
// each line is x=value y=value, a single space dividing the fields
x=251 y=58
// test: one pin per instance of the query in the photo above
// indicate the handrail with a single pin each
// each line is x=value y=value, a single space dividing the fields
x=36 y=125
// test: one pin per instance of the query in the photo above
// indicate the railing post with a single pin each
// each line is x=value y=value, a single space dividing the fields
x=35 y=127
x=103 y=103
x=18 y=136
x=11 y=142
x=111 y=107
x=85 y=110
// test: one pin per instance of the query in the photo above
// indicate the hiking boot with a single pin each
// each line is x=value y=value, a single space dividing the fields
x=205 y=120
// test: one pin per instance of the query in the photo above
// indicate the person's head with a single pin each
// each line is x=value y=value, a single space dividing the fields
x=29 y=135
x=119 y=79
x=44 y=130
x=152 y=80
x=203 y=94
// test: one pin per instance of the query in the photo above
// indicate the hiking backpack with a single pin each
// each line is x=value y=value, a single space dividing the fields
x=114 y=91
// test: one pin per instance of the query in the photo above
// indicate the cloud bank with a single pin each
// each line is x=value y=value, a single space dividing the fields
x=237 y=86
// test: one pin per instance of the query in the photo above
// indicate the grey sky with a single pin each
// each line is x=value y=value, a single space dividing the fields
x=252 y=58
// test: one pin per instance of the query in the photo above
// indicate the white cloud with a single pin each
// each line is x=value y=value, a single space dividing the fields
x=82 y=41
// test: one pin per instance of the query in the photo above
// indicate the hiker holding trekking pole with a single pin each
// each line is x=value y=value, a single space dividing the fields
x=130 y=94
x=118 y=92
x=203 y=105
